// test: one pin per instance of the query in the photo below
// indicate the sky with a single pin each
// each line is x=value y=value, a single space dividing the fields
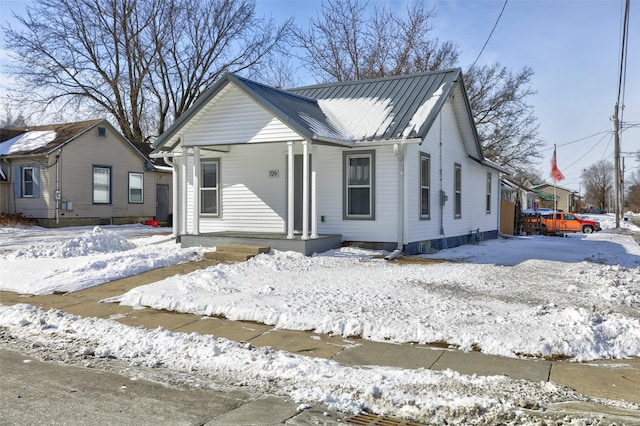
x=532 y=295
x=573 y=47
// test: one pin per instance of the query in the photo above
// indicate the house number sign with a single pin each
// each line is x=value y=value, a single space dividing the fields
x=274 y=173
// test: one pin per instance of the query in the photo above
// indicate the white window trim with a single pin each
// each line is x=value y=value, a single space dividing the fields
x=141 y=201
x=93 y=184
x=24 y=182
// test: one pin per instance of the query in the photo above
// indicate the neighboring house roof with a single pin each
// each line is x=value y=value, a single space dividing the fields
x=46 y=139
x=548 y=185
x=543 y=195
x=345 y=113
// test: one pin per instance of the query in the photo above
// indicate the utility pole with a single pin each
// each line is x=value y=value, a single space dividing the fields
x=616 y=165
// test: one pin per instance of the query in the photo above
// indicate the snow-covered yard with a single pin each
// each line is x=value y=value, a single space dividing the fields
x=577 y=296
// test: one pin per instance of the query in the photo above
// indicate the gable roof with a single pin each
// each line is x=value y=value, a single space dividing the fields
x=346 y=113
x=44 y=140
x=32 y=140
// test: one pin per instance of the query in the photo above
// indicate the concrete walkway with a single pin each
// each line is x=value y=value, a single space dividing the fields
x=612 y=379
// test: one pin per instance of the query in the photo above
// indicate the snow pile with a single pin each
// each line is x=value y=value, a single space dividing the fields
x=422 y=395
x=95 y=241
x=75 y=263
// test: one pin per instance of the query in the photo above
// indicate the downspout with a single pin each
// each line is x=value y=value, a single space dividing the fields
x=57 y=193
x=443 y=196
x=399 y=150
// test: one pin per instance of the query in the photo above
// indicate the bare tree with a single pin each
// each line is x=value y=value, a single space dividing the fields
x=12 y=118
x=506 y=124
x=144 y=62
x=345 y=43
x=598 y=183
x=632 y=199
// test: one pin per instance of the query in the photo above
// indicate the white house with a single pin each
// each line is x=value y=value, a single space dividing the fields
x=391 y=163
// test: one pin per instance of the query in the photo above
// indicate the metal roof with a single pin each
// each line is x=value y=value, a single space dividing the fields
x=344 y=113
x=405 y=96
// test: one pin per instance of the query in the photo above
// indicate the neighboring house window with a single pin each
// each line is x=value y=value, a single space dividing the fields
x=209 y=188
x=136 y=187
x=457 y=189
x=488 y=192
x=102 y=184
x=359 y=177
x=425 y=186
x=102 y=131
x=28 y=182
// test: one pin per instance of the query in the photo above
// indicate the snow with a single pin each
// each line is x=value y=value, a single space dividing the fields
x=346 y=116
x=422 y=113
x=27 y=141
x=533 y=296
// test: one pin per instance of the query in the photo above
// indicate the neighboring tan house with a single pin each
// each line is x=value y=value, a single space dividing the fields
x=83 y=173
x=556 y=197
x=391 y=163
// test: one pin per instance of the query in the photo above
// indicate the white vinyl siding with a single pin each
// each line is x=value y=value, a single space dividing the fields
x=136 y=187
x=218 y=123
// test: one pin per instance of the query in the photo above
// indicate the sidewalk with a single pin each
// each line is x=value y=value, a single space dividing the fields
x=611 y=379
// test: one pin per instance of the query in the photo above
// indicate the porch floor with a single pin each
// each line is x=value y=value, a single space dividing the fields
x=278 y=241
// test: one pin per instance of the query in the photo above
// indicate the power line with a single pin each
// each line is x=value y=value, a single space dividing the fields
x=491 y=33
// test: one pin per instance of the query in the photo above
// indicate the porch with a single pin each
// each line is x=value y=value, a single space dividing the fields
x=278 y=241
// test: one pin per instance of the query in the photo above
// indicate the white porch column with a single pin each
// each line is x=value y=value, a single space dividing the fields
x=290 y=207
x=182 y=220
x=196 y=190
x=305 y=190
x=314 y=180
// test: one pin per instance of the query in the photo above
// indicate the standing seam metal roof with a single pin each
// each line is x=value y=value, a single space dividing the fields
x=301 y=108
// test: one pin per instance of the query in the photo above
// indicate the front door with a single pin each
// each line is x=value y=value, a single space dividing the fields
x=297 y=192
x=162 y=203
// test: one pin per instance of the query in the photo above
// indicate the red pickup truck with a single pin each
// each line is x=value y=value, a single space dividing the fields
x=563 y=222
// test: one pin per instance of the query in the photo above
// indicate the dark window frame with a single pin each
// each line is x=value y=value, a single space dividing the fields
x=347 y=186
x=425 y=159
x=457 y=191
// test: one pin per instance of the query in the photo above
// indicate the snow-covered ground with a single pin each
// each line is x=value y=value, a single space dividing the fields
x=577 y=296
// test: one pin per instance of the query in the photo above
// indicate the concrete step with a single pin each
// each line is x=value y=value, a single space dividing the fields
x=235 y=252
x=242 y=248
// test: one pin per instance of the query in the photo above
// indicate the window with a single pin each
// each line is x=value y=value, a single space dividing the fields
x=28 y=182
x=425 y=186
x=359 y=176
x=136 y=187
x=209 y=188
x=488 y=192
x=102 y=184
x=457 y=189
x=102 y=132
